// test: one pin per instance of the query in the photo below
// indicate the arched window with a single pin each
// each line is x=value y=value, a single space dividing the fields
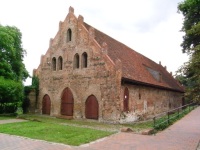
x=60 y=63
x=53 y=63
x=69 y=35
x=84 y=60
x=126 y=99
x=76 y=61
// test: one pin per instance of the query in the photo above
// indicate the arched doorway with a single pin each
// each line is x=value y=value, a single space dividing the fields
x=126 y=99
x=46 y=105
x=91 y=108
x=67 y=102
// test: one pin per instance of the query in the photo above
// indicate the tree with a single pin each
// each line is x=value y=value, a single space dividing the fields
x=12 y=54
x=12 y=69
x=191 y=45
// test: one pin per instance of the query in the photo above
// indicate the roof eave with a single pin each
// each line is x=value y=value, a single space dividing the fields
x=134 y=82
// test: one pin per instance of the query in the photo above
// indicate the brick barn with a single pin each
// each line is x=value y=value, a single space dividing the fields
x=86 y=74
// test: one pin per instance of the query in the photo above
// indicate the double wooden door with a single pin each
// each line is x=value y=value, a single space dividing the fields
x=91 y=108
x=67 y=103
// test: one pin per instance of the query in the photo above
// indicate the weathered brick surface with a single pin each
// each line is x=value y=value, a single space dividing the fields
x=146 y=102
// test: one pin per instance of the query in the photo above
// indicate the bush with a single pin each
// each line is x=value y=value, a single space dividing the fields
x=11 y=95
x=25 y=105
x=8 y=108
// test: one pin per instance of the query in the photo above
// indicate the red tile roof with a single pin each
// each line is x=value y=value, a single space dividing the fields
x=135 y=66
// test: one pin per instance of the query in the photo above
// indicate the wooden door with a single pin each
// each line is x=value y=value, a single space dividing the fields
x=67 y=103
x=91 y=108
x=126 y=99
x=46 y=105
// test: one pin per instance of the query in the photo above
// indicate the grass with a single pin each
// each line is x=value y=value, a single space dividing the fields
x=139 y=126
x=80 y=123
x=54 y=132
x=6 y=117
x=136 y=127
x=162 y=122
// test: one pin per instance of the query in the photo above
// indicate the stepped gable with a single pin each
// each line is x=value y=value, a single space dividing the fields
x=137 y=68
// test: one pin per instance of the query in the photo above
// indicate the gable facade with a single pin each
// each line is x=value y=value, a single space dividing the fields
x=86 y=74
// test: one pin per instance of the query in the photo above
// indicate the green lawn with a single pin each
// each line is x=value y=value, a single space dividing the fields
x=136 y=127
x=54 y=132
x=80 y=123
x=6 y=117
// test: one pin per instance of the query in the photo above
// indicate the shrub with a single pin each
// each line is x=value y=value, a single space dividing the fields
x=11 y=95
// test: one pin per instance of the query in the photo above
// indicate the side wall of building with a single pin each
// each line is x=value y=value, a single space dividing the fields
x=145 y=102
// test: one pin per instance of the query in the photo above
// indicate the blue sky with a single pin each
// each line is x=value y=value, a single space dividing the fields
x=150 y=27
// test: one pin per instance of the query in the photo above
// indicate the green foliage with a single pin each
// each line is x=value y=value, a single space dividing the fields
x=12 y=54
x=191 y=45
x=25 y=105
x=10 y=95
x=26 y=101
x=190 y=10
x=35 y=84
x=193 y=77
x=12 y=69
x=8 y=108
x=10 y=91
